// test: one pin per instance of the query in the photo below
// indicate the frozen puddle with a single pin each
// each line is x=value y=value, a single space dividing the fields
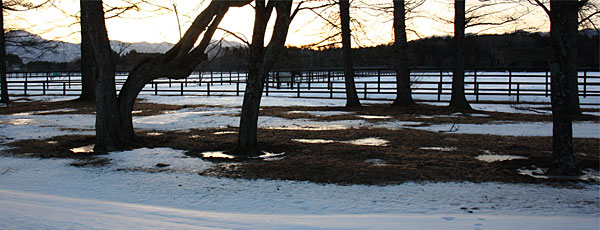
x=371 y=141
x=496 y=158
x=321 y=113
x=83 y=149
x=441 y=149
x=539 y=173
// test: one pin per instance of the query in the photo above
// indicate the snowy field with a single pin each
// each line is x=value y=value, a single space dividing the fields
x=51 y=194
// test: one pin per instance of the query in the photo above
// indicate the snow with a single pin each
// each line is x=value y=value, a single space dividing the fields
x=132 y=191
x=495 y=158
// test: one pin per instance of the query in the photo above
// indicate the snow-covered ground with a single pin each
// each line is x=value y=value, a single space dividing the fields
x=51 y=194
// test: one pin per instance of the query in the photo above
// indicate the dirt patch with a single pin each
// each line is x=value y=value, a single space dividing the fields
x=140 y=108
x=402 y=159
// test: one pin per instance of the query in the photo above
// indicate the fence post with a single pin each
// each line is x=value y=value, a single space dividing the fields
x=547 y=83
x=475 y=86
x=518 y=91
x=365 y=90
x=267 y=86
x=309 y=79
x=64 y=88
x=237 y=86
x=298 y=89
x=229 y=76
x=378 y=80
x=44 y=88
x=510 y=83
x=221 y=77
x=181 y=83
x=329 y=84
x=439 y=91
x=25 y=86
x=155 y=88
x=211 y=77
x=584 y=84
x=169 y=82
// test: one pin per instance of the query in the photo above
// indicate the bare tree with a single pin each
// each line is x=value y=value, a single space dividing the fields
x=11 y=5
x=351 y=95
x=563 y=37
x=113 y=119
x=458 y=99
x=261 y=62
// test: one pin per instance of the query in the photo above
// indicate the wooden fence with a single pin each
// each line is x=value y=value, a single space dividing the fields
x=429 y=84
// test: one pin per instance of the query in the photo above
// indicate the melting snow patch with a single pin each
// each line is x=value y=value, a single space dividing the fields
x=45 y=112
x=371 y=141
x=540 y=173
x=83 y=149
x=442 y=149
x=171 y=159
x=321 y=113
x=314 y=141
x=495 y=158
x=155 y=134
x=311 y=127
x=373 y=117
x=225 y=132
x=217 y=154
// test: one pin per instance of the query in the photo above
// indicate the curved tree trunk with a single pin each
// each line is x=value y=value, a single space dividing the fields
x=3 y=81
x=458 y=99
x=94 y=32
x=403 y=91
x=177 y=63
x=563 y=32
x=351 y=95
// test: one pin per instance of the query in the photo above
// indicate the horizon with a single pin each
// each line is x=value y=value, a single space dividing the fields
x=159 y=27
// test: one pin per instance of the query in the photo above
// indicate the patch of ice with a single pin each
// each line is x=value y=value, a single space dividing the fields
x=373 y=117
x=442 y=149
x=19 y=121
x=314 y=141
x=371 y=141
x=83 y=149
x=155 y=134
x=52 y=142
x=321 y=113
x=225 y=132
x=495 y=158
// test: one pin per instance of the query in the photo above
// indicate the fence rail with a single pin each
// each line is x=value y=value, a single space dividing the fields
x=512 y=85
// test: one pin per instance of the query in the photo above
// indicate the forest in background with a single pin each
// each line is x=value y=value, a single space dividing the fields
x=521 y=49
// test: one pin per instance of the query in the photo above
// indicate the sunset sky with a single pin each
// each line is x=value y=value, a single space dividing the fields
x=52 y=23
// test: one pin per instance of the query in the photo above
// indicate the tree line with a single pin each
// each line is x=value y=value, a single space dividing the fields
x=114 y=126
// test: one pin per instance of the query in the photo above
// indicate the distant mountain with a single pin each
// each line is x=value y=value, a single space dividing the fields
x=31 y=47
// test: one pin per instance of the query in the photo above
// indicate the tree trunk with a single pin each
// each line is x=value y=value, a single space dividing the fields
x=88 y=71
x=261 y=62
x=563 y=32
x=93 y=30
x=351 y=95
x=3 y=81
x=458 y=99
x=403 y=91
x=178 y=63
x=573 y=31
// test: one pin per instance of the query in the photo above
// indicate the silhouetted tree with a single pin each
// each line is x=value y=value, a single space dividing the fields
x=403 y=91
x=351 y=95
x=458 y=99
x=261 y=61
x=3 y=81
